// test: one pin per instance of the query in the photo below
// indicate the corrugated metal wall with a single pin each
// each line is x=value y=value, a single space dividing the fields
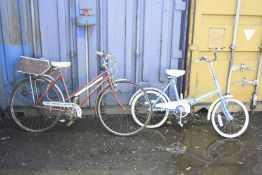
x=212 y=25
x=146 y=36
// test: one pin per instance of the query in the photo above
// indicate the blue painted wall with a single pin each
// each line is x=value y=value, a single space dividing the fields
x=147 y=37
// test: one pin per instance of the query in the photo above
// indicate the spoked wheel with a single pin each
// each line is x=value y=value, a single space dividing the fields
x=158 y=118
x=29 y=115
x=116 y=112
x=230 y=128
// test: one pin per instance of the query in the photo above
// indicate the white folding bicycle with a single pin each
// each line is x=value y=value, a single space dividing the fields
x=229 y=116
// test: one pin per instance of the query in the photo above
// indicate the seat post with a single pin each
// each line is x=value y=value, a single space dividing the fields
x=175 y=88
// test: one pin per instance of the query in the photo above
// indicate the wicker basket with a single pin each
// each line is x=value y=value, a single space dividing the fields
x=33 y=66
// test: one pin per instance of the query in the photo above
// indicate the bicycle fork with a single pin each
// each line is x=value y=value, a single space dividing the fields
x=227 y=114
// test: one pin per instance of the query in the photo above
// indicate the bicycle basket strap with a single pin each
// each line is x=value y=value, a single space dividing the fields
x=33 y=65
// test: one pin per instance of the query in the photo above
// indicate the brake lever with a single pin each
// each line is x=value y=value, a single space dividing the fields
x=219 y=49
x=197 y=61
x=204 y=58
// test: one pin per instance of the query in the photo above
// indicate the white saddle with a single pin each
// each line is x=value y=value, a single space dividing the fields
x=175 y=73
x=60 y=64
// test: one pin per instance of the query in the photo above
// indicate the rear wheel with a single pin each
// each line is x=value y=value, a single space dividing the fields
x=158 y=118
x=115 y=111
x=230 y=128
x=26 y=113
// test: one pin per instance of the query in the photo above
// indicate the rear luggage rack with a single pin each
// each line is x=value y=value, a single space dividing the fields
x=33 y=65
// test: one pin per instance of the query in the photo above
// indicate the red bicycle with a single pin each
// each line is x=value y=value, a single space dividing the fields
x=37 y=102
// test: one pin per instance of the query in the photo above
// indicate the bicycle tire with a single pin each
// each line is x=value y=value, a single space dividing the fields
x=157 y=118
x=31 y=117
x=116 y=119
x=219 y=121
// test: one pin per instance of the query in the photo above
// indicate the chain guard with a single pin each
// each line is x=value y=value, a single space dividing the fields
x=66 y=105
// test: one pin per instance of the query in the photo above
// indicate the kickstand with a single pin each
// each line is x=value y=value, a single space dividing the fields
x=180 y=122
x=70 y=122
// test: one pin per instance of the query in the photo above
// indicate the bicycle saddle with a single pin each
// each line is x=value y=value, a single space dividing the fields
x=60 y=64
x=175 y=73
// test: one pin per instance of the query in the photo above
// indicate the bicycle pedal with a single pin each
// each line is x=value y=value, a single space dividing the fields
x=70 y=123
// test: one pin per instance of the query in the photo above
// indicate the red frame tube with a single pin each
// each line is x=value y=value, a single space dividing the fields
x=61 y=77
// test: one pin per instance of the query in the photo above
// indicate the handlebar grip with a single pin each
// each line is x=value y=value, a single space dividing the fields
x=102 y=54
x=220 y=48
x=203 y=58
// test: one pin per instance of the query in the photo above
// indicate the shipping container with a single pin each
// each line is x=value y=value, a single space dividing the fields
x=147 y=37
x=212 y=24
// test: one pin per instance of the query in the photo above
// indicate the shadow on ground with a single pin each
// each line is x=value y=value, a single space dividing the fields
x=86 y=148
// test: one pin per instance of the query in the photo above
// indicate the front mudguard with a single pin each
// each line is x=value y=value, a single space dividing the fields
x=210 y=110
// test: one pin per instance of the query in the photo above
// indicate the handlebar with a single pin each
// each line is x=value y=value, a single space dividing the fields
x=205 y=58
x=217 y=49
x=103 y=54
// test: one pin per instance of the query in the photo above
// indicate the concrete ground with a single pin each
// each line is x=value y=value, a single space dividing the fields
x=86 y=148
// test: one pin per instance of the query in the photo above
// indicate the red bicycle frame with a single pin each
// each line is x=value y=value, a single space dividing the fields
x=100 y=79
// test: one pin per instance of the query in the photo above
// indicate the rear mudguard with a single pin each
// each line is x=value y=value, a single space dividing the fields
x=210 y=110
x=149 y=88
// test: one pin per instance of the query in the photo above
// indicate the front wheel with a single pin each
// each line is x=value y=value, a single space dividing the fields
x=115 y=111
x=230 y=128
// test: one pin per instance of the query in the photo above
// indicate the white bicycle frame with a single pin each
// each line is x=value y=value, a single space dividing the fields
x=192 y=101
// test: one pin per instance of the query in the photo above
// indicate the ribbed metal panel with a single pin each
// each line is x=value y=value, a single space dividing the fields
x=146 y=37
x=212 y=25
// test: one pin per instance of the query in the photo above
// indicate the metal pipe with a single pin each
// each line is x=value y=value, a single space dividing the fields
x=184 y=43
x=175 y=89
x=32 y=89
x=254 y=97
x=205 y=96
x=87 y=52
x=137 y=52
x=33 y=27
x=189 y=58
x=259 y=69
x=72 y=53
x=233 y=46
x=87 y=56
x=98 y=29
x=138 y=29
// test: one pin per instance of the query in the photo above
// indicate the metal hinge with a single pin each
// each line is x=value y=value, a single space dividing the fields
x=180 y=5
x=245 y=82
x=72 y=54
x=242 y=68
